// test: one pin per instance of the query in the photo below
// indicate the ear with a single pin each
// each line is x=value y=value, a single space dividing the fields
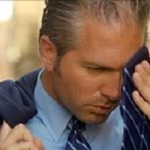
x=48 y=52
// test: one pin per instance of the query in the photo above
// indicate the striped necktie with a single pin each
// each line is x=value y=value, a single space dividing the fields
x=136 y=134
x=76 y=141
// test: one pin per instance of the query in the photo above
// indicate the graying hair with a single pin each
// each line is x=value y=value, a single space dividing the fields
x=62 y=19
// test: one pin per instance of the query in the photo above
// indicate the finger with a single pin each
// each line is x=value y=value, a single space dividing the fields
x=141 y=103
x=38 y=143
x=146 y=66
x=143 y=87
x=19 y=133
x=5 y=130
x=21 y=146
x=142 y=72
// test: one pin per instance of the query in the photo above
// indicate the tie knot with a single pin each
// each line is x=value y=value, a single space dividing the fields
x=77 y=124
x=76 y=140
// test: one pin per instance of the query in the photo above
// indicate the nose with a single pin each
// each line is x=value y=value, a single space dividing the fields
x=112 y=86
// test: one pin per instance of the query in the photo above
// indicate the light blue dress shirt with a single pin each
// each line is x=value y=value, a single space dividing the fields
x=52 y=125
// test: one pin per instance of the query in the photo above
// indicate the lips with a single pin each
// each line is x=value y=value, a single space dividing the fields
x=104 y=106
x=103 y=109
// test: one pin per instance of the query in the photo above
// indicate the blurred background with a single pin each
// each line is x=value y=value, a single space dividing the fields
x=19 y=25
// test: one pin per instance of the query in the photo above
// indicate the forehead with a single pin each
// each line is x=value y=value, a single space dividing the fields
x=110 y=44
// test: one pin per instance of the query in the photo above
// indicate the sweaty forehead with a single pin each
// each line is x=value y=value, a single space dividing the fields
x=110 y=44
x=116 y=29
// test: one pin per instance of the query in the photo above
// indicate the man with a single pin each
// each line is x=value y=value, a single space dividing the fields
x=84 y=45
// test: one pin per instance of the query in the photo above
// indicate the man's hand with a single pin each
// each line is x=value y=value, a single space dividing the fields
x=18 y=138
x=141 y=78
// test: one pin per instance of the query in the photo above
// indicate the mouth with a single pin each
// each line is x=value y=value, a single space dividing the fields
x=103 y=109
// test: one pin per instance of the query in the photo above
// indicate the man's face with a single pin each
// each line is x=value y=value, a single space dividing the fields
x=89 y=80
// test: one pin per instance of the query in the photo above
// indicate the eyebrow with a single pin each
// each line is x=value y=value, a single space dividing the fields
x=100 y=66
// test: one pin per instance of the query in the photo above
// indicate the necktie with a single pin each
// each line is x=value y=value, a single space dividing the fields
x=136 y=134
x=76 y=141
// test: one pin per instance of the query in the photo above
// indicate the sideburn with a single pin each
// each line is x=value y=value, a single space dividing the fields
x=57 y=66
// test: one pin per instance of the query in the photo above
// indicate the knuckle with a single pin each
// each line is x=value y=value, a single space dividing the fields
x=30 y=144
x=2 y=147
x=20 y=127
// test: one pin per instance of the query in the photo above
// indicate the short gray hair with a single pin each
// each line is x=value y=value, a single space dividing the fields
x=62 y=19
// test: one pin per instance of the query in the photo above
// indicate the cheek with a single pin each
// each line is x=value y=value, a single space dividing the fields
x=81 y=85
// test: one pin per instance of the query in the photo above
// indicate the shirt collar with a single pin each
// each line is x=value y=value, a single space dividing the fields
x=54 y=116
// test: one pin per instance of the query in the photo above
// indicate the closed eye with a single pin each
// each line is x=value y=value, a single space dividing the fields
x=99 y=69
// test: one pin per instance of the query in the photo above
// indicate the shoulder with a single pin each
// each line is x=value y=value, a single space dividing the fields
x=17 y=99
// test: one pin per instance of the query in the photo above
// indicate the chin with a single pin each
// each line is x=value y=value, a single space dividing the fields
x=101 y=120
x=96 y=119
